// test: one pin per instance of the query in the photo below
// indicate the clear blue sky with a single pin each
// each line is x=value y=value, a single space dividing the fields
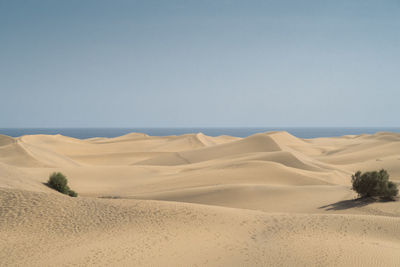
x=150 y=63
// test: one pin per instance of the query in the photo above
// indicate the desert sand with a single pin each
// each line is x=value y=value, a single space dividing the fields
x=270 y=199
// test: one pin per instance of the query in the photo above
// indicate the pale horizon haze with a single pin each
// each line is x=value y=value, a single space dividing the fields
x=199 y=63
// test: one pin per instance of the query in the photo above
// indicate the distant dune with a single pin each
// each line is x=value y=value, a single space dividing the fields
x=270 y=199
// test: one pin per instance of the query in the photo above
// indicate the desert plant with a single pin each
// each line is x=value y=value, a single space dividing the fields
x=59 y=182
x=72 y=193
x=374 y=184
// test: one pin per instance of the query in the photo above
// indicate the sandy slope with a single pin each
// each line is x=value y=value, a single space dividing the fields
x=268 y=199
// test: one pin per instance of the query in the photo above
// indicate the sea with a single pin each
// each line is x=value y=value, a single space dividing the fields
x=301 y=132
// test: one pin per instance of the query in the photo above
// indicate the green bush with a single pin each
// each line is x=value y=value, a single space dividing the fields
x=374 y=184
x=72 y=193
x=59 y=182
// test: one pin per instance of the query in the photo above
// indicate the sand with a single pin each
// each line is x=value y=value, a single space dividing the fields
x=270 y=199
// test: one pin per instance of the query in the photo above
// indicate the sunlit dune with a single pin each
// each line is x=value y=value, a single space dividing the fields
x=270 y=199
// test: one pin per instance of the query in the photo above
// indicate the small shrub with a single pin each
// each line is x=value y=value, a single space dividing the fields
x=59 y=182
x=391 y=191
x=374 y=184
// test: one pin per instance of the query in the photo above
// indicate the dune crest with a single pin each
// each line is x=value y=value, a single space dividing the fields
x=6 y=140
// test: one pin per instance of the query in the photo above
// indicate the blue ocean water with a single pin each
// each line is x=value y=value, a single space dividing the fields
x=304 y=132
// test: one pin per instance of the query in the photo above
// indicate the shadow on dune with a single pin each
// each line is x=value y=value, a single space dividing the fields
x=348 y=204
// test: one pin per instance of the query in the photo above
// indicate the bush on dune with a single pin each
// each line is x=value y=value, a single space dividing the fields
x=72 y=193
x=59 y=182
x=374 y=184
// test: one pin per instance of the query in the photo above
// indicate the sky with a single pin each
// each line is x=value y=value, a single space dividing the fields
x=97 y=63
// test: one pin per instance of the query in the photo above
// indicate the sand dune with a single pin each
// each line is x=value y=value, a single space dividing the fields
x=13 y=153
x=255 y=143
x=6 y=140
x=270 y=199
x=86 y=231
